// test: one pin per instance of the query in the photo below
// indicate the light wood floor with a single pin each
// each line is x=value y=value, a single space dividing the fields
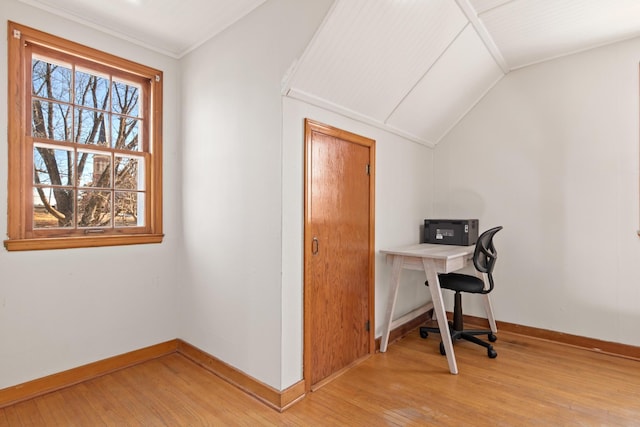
x=532 y=382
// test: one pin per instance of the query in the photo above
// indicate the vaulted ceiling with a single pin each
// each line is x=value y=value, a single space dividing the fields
x=413 y=67
x=417 y=67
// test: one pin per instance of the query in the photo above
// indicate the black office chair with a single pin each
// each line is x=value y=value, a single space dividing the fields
x=484 y=259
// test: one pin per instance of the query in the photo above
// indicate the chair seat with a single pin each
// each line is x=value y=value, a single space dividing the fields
x=461 y=282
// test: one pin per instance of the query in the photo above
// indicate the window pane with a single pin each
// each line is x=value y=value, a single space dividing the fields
x=51 y=81
x=94 y=169
x=50 y=120
x=125 y=133
x=91 y=90
x=94 y=208
x=129 y=209
x=52 y=166
x=90 y=127
x=129 y=173
x=125 y=99
x=52 y=207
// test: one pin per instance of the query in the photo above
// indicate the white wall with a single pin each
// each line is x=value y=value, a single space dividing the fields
x=64 y=308
x=231 y=296
x=243 y=195
x=403 y=172
x=551 y=153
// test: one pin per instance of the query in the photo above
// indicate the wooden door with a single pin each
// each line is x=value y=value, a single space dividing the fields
x=339 y=246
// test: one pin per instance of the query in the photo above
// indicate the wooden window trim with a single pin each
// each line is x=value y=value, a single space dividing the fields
x=20 y=186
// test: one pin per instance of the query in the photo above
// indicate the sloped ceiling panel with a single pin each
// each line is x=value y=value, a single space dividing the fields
x=171 y=27
x=370 y=53
x=452 y=86
x=527 y=32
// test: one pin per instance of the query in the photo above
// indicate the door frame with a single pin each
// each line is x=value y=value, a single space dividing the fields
x=311 y=126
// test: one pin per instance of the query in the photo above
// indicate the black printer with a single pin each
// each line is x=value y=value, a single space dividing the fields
x=461 y=232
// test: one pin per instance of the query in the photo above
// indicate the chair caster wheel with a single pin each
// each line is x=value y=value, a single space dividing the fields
x=442 y=352
x=492 y=337
x=423 y=334
x=492 y=353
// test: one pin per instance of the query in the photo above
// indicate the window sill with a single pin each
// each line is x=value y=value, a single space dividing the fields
x=80 y=242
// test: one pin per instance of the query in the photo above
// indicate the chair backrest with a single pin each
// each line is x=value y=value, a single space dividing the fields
x=485 y=254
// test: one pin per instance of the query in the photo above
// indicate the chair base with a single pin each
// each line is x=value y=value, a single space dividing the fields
x=457 y=331
x=468 y=335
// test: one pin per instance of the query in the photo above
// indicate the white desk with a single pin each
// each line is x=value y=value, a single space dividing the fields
x=433 y=259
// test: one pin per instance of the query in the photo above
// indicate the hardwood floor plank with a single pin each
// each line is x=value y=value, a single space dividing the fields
x=531 y=382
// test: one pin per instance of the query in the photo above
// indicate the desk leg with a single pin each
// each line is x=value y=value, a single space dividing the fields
x=441 y=314
x=488 y=308
x=391 y=303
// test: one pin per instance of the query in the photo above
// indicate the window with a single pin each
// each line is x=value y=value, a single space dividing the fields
x=85 y=149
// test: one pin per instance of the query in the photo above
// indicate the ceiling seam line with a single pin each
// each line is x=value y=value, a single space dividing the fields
x=489 y=9
x=468 y=110
x=351 y=114
x=397 y=104
x=482 y=31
